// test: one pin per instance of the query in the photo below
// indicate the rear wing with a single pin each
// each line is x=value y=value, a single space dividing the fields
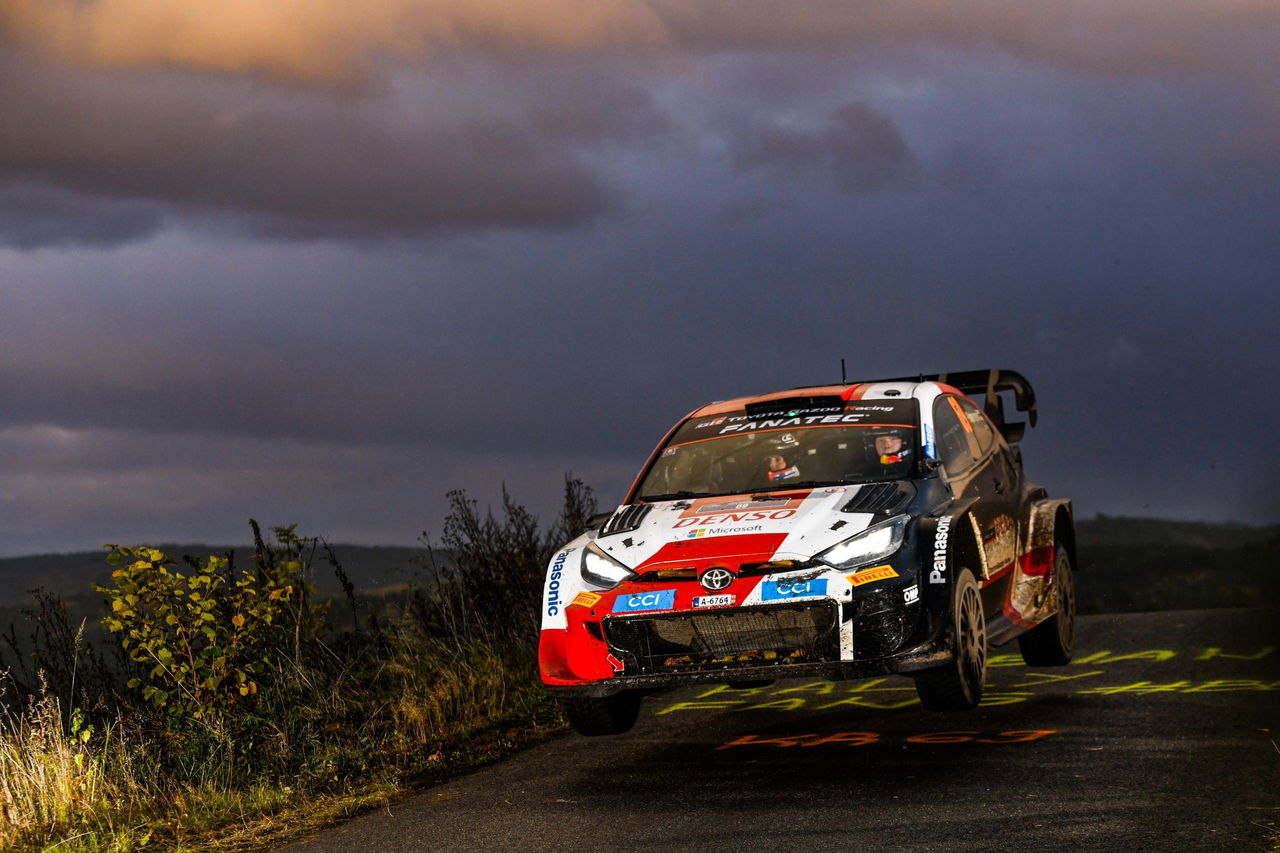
x=990 y=383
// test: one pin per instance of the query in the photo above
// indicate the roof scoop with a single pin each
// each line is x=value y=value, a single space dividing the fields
x=790 y=404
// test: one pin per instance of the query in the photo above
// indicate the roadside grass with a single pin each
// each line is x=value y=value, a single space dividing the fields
x=104 y=793
x=102 y=755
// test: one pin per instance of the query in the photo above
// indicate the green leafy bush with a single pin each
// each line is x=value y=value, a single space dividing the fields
x=207 y=638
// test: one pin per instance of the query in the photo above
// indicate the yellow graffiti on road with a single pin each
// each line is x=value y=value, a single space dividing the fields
x=1225 y=686
x=867 y=738
x=889 y=693
x=1158 y=655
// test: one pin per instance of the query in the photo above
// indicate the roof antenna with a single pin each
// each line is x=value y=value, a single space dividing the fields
x=843 y=380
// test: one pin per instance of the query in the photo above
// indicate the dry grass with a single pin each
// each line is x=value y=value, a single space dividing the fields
x=62 y=779
x=429 y=709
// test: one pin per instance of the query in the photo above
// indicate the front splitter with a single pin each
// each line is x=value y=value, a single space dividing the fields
x=913 y=660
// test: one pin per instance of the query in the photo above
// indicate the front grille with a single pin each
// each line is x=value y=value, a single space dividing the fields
x=723 y=639
x=745 y=570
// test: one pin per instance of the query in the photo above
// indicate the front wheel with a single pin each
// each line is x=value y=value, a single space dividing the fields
x=957 y=686
x=1050 y=643
x=610 y=715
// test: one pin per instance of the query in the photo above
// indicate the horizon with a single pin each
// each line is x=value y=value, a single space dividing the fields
x=163 y=544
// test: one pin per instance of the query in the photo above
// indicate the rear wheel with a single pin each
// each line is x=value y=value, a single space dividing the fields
x=1050 y=643
x=609 y=715
x=957 y=686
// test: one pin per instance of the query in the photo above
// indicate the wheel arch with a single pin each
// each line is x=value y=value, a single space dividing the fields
x=1051 y=520
x=1064 y=531
x=961 y=550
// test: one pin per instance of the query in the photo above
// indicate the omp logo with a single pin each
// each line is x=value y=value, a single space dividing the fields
x=658 y=599
x=553 y=584
x=939 y=573
x=777 y=590
x=734 y=517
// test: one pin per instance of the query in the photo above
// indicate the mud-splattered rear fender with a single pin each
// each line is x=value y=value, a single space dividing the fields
x=1051 y=520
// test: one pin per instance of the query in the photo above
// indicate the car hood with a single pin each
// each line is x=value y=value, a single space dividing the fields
x=790 y=525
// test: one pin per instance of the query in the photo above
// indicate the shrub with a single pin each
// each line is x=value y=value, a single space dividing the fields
x=208 y=636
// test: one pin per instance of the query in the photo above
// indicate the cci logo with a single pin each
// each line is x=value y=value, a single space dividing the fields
x=776 y=590
x=658 y=599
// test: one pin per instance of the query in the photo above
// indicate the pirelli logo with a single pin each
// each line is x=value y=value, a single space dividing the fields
x=586 y=599
x=878 y=573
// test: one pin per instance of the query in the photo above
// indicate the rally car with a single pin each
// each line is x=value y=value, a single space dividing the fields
x=835 y=531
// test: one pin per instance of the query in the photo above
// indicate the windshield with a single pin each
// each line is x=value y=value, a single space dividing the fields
x=735 y=453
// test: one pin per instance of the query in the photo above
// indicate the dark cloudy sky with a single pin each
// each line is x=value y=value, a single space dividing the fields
x=318 y=261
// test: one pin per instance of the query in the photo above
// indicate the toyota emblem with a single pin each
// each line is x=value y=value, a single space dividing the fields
x=714 y=580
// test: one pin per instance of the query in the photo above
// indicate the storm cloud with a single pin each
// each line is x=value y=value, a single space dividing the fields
x=322 y=261
x=332 y=40
x=400 y=117
x=310 y=166
x=859 y=149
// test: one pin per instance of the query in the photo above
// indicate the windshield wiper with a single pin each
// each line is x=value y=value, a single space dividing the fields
x=672 y=496
x=759 y=494
x=803 y=484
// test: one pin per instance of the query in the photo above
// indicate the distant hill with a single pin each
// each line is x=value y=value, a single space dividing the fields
x=1106 y=530
x=1139 y=564
x=1126 y=564
x=72 y=575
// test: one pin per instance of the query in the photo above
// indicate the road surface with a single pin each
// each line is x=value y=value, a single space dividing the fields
x=1162 y=734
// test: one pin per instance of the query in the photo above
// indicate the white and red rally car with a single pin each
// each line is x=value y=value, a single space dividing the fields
x=832 y=531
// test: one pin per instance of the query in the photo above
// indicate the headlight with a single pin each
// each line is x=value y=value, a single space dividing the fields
x=872 y=544
x=600 y=569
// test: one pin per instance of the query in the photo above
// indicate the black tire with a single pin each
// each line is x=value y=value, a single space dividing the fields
x=957 y=686
x=1051 y=642
x=611 y=715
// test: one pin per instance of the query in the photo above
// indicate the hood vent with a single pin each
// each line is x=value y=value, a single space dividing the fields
x=626 y=519
x=881 y=498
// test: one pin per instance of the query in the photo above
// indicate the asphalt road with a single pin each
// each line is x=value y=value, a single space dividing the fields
x=1162 y=735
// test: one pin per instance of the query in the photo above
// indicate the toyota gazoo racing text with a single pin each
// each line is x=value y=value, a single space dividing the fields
x=833 y=531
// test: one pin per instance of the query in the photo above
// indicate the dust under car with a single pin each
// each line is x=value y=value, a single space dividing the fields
x=837 y=532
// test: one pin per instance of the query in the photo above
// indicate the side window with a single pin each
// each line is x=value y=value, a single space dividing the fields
x=982 y=429
x=953 y=431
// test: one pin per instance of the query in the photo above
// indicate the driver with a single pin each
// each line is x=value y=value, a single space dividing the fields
x=776 y=463
x=891 y=448
x=779 y=469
